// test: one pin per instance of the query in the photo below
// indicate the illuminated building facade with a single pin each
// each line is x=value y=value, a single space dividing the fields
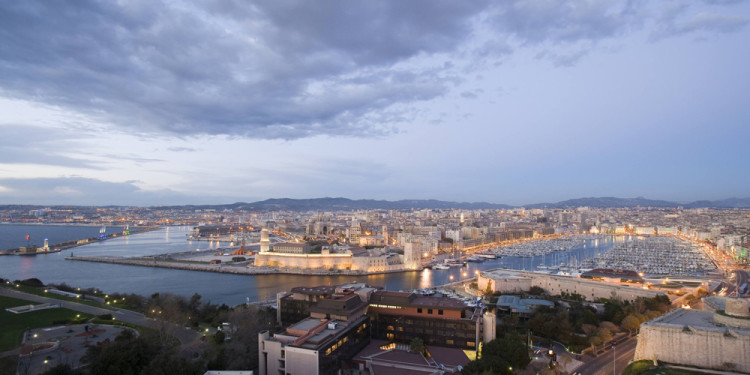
x=336 y=330
x=401 y=317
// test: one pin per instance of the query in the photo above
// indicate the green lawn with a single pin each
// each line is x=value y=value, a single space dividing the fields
x=41 y=292
x=12 y=325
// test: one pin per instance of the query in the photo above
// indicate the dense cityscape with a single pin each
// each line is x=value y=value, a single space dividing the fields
x=656 y=259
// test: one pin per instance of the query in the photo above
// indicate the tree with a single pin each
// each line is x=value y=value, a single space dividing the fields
x=62 y=369
x=536 y=290
x=169 y=362
x=417 y=345
x=631 y=323
x=127 y=355
x=219 y=337
x=241 y=352
x=500 y=356
x=488 y=289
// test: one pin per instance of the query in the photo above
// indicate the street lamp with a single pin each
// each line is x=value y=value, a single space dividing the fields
x=614 y=357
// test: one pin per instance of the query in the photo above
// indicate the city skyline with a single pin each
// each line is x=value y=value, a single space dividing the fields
x=517 y=103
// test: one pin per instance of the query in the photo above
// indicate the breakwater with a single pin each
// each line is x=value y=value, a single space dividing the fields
x=58 y=247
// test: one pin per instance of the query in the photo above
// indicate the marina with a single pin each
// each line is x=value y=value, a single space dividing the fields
x=540 y=247
x=654 y=256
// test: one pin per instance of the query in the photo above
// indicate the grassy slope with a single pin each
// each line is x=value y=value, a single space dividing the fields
x=12 y=325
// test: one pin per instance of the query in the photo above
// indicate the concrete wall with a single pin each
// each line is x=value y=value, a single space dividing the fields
x=301 y=361
x=296 y=361
x=269 y=353
x=327 y=261
x=306 y=261
x=591 y=290
x=503 y=284
x=738 y=307
x=553 y=284
x=489 y=326
x=694 y=347
x=733 y=322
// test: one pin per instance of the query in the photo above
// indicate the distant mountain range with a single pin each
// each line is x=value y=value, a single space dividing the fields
x=345 y=204
x=643 y=202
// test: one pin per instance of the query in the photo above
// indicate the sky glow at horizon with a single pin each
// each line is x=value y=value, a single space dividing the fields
x=172 y=102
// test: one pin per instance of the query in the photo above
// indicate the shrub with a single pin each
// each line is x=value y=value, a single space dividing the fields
x=33 y=282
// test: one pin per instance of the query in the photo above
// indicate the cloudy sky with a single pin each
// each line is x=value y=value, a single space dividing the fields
x=171 y=102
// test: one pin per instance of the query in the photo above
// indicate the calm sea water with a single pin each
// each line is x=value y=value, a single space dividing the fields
x=14 y=236
x=225 y=288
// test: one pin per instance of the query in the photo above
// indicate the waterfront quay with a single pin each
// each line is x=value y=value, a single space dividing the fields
x=240 y=269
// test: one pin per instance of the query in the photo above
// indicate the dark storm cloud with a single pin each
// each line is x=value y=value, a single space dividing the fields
x=84 y=191
x=271 y=70
x=276 y=69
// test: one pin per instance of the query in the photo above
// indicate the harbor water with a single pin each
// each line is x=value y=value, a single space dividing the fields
x=233 y=289
x=14 y=236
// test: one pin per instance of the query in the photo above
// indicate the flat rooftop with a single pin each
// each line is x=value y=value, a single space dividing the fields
x=305 y=325
x=397 y=360
x=314 y=290
x=695 y=319
x=504 y=274
x=442 y=302
x=319 y=339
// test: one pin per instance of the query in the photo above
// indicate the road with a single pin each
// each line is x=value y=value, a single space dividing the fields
x=602 y=365
x=185 y=336
x=741 y=277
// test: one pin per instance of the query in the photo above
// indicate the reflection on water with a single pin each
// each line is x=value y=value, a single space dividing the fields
x=425 y=279
x=227 y=288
